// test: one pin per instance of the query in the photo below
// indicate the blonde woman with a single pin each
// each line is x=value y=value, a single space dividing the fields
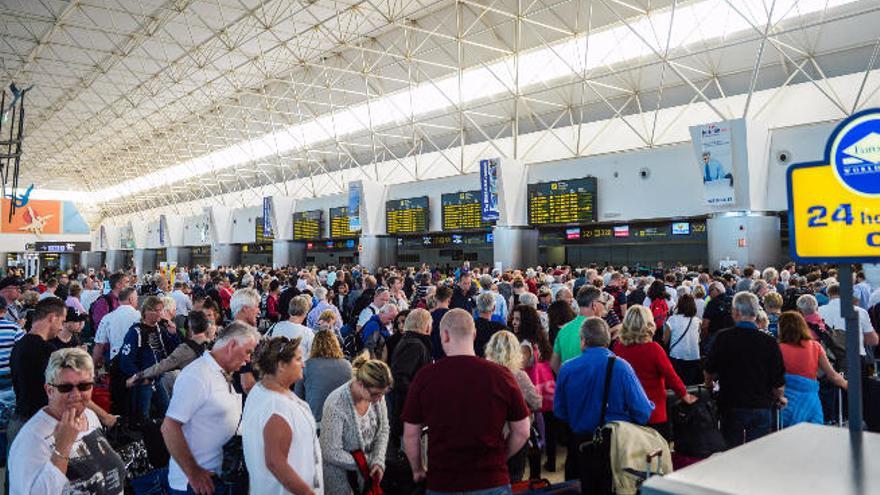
x=652 y=366
x=325 y=371
x=355 y=429
x=504 y=349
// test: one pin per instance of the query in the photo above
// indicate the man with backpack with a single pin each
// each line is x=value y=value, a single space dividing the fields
x=202 y=332
x=748 y=364
x=108 y=302
x=830 y=313
x=717 y=315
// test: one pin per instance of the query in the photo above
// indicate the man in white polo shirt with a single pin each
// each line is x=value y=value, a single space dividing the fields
x=113 y=327
x=831 y=314
x=205 y=411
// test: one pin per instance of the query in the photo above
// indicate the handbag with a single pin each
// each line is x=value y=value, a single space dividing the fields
x=129 y=445
x=541 y=375
x=233 y=470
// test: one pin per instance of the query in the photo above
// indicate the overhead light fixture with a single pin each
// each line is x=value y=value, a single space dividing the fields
x=689 y=25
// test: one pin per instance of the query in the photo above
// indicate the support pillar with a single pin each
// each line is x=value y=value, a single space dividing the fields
x=144 y=261
x=115 y=259
x=225 y=255
x=67 y=261
x=515 y=247
x=378 y=251
x=3 y=261
x=748 y=238
x=180 y=255
x=288 y=253
x=91 y=259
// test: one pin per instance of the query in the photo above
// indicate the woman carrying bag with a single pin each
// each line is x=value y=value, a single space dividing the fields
x=355 y=430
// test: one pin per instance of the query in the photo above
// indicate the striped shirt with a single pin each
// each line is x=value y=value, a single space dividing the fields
x=9 y=335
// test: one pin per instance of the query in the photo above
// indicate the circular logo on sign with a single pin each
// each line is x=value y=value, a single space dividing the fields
x=855 y=153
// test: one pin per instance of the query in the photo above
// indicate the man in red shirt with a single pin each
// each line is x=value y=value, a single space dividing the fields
x=464 y=401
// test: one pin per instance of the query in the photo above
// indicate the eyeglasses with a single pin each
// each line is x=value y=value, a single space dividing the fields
x=66 y=388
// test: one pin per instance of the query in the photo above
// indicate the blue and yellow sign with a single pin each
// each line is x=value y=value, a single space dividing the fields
x=834 y=205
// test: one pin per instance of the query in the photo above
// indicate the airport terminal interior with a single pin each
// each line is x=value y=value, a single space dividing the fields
x=483 y=247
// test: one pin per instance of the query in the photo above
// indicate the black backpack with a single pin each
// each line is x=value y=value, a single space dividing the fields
x=106 y=298
x=696 y=427
x=352 y=345
x=834 y=342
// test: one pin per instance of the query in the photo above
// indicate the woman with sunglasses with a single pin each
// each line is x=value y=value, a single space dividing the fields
x=62 y=448
x=279 y=434
x=354 y=429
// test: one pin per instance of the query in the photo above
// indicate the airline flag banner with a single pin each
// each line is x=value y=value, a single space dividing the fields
x=489 y=189
x=834 y=204
x=267 y=217
x=712 y=143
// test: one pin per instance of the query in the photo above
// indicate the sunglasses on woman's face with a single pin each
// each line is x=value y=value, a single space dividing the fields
x=66 y=388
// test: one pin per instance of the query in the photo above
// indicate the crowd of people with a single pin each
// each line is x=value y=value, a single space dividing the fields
x=339 y=380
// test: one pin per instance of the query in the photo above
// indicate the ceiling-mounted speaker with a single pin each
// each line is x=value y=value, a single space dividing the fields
x=783 y=157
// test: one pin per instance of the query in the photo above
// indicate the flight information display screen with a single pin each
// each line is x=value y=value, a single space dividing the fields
x=406 y=216
x=261 y=236
x=308 y=225
x=562 y=202
x=339 y=226
x=462 y=211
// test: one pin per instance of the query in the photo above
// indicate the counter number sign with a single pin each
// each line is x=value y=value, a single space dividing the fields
x=834 y=205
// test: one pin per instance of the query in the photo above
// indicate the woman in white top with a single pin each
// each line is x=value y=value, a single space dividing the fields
x=682 y=339
x=279 y=435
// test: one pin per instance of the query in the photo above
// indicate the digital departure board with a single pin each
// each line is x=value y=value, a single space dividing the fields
x=462 y=211
x=262 y=237
x=308 y=225
x=406 y=216
x=563 y=201
x=339 y=226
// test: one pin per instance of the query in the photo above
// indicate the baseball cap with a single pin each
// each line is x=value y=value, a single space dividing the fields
x=72 y=315
x=10 y=281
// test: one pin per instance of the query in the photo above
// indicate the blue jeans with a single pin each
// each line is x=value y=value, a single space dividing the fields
x=501 y=490
x=142 y=396
x=739 y=425
x=220 y=488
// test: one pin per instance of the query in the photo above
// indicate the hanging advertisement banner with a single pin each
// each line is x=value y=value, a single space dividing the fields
x=713 y=147
x=162 y=230
x=355 y=193
x=489 y=189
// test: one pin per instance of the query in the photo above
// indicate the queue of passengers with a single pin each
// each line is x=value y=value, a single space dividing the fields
x=327 y=379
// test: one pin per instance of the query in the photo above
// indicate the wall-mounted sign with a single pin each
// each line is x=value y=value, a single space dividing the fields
x=58 y=247
x=834 y=205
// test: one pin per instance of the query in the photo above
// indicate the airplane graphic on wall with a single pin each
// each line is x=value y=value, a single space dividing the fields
x=36 y=223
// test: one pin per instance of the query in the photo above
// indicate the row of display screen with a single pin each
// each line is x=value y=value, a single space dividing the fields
x=550 y=203
x=633 y=232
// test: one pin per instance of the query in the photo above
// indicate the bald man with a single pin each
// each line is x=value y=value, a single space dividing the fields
x=464 y=401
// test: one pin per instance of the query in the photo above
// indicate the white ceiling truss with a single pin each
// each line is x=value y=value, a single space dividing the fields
x=148 y=103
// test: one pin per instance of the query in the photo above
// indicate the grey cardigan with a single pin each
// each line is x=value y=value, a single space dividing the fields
x=340 y=436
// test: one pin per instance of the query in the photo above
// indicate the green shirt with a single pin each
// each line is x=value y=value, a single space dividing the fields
x=568 y=340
